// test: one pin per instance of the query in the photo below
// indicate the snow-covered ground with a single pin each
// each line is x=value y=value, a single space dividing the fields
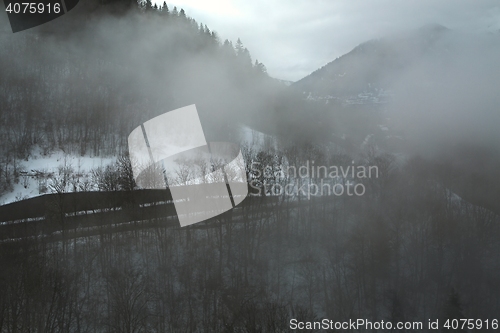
x=36 y=174
x=39 y=174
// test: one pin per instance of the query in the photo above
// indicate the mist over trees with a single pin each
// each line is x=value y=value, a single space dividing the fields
x=83 y=90
x=409 y=249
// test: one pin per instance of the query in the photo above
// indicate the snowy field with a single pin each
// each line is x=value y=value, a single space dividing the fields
x=38 y=175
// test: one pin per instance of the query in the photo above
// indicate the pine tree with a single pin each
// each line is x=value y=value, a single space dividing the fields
x=192 y=23
x=239 y=47
x=207 y=30
x=228 y=48
x=259 y=67
x=182 y=13
x=245 y=57
x=164 y=9
x=149 y=6
x=215 y=37
x=243 y=54
x=175 y=12
x=201 y=30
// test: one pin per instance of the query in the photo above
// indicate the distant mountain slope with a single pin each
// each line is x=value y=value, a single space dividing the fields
x=371 y=66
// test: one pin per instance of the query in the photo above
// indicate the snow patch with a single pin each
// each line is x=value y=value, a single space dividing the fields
x=36 y=174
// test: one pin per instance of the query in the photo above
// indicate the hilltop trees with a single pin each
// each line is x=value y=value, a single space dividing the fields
x=259 y=67
x=243 y=54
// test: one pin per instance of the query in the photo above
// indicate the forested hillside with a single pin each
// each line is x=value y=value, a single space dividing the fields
x=83 y=85
x=419 y=243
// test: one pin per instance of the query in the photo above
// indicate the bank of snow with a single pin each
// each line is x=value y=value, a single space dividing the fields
x=37 y=174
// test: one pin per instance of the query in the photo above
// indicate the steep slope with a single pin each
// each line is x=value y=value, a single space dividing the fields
x=82 y=88
x=371 y=67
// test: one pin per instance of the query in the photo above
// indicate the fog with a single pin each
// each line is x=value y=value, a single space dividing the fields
x=450 y=97
x=138 y=66
x=294 y=39
x=97 y=252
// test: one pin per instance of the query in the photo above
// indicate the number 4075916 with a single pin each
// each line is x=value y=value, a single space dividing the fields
x=471 y=324
x=33 y=8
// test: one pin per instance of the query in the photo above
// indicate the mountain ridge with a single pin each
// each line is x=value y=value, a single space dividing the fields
x=371 y=65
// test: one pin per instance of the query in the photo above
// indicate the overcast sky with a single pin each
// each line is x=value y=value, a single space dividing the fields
x=295 y=37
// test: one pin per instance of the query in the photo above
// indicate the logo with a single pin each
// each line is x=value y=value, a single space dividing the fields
x=205 y=179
